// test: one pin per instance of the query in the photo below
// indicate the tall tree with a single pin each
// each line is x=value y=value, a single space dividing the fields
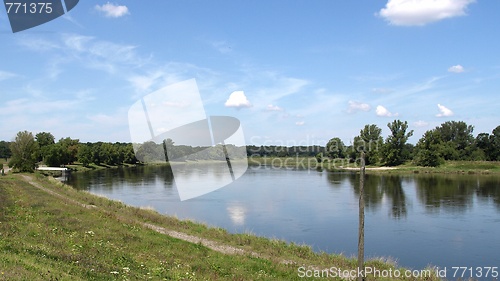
x=369 y=141
x=428 y=149
x=335 y=148
x=24 y=152
x=5 y=150
x=395 y=145
x=70 y=148
x=495 y=144
x=44 y=139
x=84 y=155
x=457 y=140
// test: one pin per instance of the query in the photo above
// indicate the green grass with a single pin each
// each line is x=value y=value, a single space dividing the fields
x=456 y=167
x=53 y=236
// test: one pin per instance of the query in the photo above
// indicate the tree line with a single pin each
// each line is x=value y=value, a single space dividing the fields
x=452 y=140
x=26 y=151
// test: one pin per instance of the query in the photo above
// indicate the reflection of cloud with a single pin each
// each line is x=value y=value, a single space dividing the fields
x=444 y=111
x=237 y=99
x=237 y=213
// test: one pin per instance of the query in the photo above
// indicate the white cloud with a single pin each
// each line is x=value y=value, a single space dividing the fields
x=456 y=69
x=420 y=123
x=382 y=111
x=271 y=107
x=112 y=10
x=382 y=90
x=4 y=75
x=422 y=12
x=237 y=99
x=300 y=123
x=444 y=111
x=355 y=106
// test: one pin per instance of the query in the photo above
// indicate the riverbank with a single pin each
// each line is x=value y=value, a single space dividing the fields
x=51 y=231
x=449 y=167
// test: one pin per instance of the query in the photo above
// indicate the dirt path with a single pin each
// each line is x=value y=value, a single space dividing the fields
x=216 y=246
x=369 y=169
x=6 y=168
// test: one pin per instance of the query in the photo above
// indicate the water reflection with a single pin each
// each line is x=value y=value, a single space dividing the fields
x=456 y=193
x=236 y=212
x=454 y=217
x=379 y=189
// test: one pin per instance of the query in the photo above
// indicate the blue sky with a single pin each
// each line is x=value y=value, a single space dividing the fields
x=304 y=71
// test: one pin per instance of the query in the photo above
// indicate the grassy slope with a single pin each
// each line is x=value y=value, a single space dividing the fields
x=465 y=167
x=53 y=237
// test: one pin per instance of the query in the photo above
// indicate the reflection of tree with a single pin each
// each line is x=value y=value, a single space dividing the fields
x=489 y=188
x=114 y=178
x=372 y=190
x=444 y=192
x=378 y=187
x=336 y=178
x=392 y=187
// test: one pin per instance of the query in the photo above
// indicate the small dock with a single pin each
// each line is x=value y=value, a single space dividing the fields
x=52 y=169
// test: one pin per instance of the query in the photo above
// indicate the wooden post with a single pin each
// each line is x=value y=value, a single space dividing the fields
x=361 y=231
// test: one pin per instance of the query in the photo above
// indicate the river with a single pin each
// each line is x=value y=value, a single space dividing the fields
x=416 y=220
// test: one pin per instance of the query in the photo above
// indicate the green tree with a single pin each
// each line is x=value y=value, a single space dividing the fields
x=370 y=141
x=394 y=149
x=84 y=154
x=335 y=148
x=44 y=139
x=70 y=148
x=428 y=149
x=5 y=150
x=457 y=140
x=24 y=152
x=494 y=153
x=128 y=154
x=54 y=155
x=108 y=154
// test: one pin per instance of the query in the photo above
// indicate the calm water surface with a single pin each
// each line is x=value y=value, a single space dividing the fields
x=442 y=220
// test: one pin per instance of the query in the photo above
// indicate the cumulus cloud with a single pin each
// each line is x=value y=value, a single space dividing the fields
x=444 y=111
x=355 y=106
x=420 y=123
x=456 y=69
x=300 y=123
x=382 y=111
x=237 y=99
x=422 y=12
x=112 y=10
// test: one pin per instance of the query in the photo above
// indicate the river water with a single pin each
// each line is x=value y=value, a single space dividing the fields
x=417 y=220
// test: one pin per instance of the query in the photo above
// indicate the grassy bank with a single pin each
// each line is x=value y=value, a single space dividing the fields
x=50 y=231
x=449 y=167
